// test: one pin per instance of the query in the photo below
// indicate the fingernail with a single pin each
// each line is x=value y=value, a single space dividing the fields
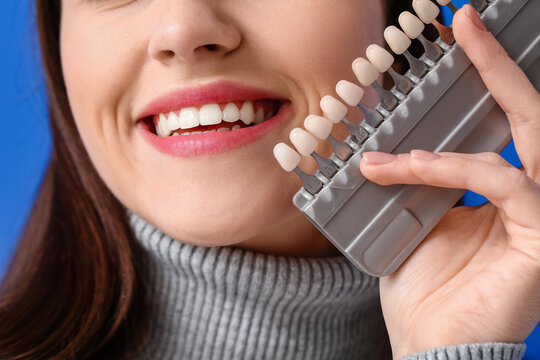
x=378 y=158
x=424 y=155
x=475 y=18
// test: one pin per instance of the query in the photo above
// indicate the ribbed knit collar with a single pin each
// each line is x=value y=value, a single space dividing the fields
x=229 y=303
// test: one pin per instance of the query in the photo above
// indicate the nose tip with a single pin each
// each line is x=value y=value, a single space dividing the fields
x=187 y=35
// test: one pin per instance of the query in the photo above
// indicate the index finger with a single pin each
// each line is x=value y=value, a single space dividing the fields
x=507 y=83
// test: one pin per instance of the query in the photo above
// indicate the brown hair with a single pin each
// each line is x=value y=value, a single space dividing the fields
x=74 y=288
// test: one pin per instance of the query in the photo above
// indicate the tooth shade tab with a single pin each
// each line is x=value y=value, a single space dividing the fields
x=333 y=108
x=397 y=40
x=231 y=113
x=319 y=126
x=287 y=158
x=210 y=114
x=411 y=25
x=351 y=93
x=426 y=10
x=303 y=141
x=379 y=57
x=365 y=71
x=443 y=2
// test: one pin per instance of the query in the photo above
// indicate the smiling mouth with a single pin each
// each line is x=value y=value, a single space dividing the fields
x=214 y=117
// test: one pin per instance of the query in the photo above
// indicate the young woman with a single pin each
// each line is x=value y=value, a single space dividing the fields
x=98 y=274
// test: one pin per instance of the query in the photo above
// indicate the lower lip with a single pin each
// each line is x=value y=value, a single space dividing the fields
x=214 y=143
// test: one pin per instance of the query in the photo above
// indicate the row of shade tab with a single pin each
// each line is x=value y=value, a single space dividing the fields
x=367 y=71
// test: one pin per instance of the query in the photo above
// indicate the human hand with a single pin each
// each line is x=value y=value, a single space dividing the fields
x=476 y=277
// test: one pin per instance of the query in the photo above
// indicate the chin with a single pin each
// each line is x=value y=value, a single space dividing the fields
x=212 y=231
x=214 y=236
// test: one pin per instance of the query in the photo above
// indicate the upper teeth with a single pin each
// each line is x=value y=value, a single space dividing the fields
x=209 y=114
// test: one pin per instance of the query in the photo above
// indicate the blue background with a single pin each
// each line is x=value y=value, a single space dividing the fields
x=25 y=140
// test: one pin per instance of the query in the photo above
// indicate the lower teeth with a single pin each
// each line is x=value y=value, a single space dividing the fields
x=235 y=127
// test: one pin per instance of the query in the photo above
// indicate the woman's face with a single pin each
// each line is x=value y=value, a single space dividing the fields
x=127 y=61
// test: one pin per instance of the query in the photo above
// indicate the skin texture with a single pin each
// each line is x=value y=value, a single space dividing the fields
x=475 y=277
x=119 y=55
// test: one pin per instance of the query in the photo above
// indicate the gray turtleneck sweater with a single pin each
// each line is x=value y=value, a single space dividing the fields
x=227 y=303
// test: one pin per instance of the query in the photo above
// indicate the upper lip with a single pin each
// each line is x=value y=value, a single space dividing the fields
x=195 y=96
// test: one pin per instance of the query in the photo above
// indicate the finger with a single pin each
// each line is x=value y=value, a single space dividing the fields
x=506 y=82
x=501 y=184
x=399 y=170
x=489 y=157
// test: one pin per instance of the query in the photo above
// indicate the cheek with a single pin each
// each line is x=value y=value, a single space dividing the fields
x=318 y=41
x=316 y=44
x=98 y=65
